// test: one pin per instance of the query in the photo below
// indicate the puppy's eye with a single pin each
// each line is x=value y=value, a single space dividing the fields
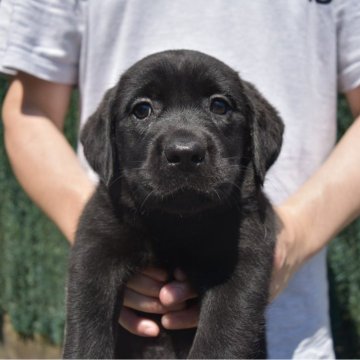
x=142 y=110
x=219 y=106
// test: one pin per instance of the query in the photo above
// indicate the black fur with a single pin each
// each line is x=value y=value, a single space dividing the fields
x=181 y=187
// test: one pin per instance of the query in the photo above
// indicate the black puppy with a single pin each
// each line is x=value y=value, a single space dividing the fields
x=181 y=145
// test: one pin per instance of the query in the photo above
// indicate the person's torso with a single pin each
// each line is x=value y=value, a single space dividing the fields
x=288 y=50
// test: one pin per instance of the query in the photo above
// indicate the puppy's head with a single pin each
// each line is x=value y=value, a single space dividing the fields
x=177 y=132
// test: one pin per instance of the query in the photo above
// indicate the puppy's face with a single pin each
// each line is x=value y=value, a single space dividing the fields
x=177 y=132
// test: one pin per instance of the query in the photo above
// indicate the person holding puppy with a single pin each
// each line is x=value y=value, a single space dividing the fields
x=298 y=61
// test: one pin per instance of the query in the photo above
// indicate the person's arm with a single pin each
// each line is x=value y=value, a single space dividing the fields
x=323 y=206
x=43 y=161
x=49 y=171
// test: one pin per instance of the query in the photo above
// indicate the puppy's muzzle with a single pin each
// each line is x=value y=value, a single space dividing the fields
x=184 y=151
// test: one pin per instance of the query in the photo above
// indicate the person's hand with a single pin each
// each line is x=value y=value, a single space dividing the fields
x=290 y=251
x=150 y=292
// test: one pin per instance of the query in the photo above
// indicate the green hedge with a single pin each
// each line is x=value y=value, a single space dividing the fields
x=344 y=275
x=33 y=257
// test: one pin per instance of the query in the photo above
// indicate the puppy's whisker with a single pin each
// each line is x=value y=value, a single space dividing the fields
x=144 y=201
x=116 y=179
x=217 y=194
x=139 y=169
x=136 y=161
x=232 y=158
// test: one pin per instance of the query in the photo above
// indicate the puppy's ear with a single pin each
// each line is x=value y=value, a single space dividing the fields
x=267 y=130
x=98 y=138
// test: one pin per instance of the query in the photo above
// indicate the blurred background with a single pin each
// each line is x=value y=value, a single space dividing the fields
x=33 y=263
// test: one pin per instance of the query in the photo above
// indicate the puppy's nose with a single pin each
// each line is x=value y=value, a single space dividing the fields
x=186 y=152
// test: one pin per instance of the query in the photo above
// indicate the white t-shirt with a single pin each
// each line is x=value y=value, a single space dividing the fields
x=297 y=53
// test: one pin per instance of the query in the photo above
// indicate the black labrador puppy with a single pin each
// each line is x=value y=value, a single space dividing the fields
x=181 y=145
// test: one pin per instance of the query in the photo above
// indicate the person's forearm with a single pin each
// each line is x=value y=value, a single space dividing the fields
x=330 y=199
x=47 y=167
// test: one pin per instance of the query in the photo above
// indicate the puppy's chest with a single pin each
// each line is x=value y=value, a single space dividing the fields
x=207 y=255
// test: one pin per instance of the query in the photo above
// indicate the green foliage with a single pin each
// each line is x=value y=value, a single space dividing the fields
x=32 y=256
x=33 y=262
x=344 y=275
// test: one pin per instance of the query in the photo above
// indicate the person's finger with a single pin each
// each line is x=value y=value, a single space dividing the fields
x=156 y=273
x=147 y=304
x=137 y=325
x=145 y=285
x=183 y=319
x=176 y=292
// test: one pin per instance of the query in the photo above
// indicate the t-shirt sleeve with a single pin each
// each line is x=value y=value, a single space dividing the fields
x=5 y=16
x=348 y=46
x=42 y=38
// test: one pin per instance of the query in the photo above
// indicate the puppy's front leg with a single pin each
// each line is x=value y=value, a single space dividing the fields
x=95 y=291
x=105 y=254
x=232 y=323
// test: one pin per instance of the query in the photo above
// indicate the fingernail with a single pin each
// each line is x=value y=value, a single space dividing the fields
x=165 y=321
x=150 y=330
x=176 y=294
x=170 y=294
